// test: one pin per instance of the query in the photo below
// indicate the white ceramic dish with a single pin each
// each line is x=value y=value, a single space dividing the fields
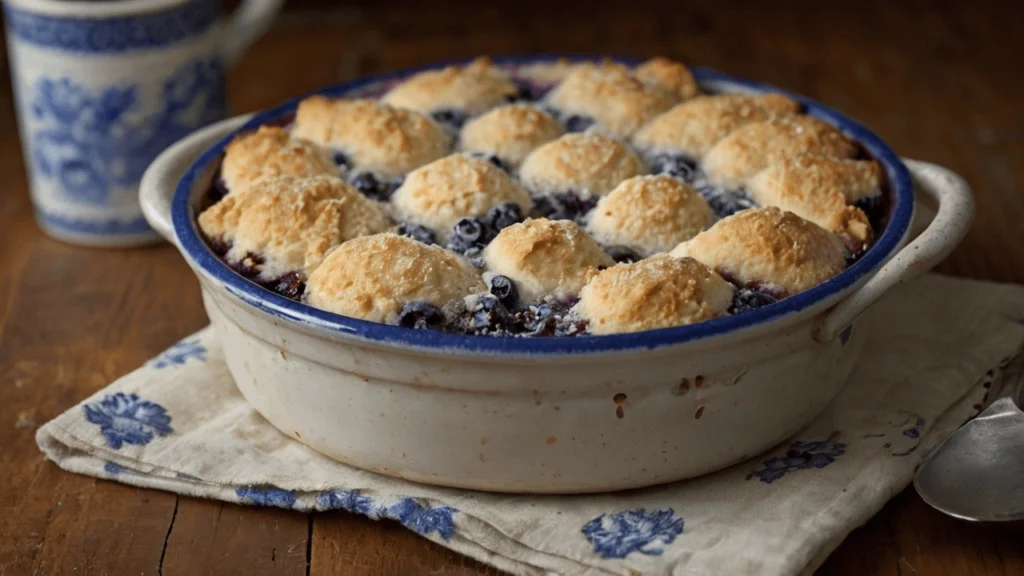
x=548 y=415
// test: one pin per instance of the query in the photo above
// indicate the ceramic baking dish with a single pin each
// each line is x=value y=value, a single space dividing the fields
x=551 y=415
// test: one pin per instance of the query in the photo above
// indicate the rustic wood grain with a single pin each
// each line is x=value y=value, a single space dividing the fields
x=938 y=83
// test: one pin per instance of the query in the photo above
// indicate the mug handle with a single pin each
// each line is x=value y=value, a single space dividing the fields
x=245 y=26
x=946 y=230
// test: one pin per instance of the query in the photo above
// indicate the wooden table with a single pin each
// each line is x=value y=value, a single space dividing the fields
x=941 y=85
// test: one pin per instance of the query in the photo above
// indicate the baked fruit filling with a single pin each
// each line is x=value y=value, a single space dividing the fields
x=555 y=199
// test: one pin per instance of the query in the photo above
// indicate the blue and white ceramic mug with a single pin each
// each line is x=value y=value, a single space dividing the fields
x=103 y=87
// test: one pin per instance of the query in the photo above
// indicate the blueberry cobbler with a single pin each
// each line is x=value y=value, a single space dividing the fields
x=552 y=199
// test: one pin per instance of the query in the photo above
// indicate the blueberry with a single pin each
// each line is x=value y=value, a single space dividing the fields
x=469 y=229
x=622 y=254
x=746 y=299
x=219 y=245
x=291 y=285
x=566 y=206
x=417 y=232
x=538 y=320
x=504 y=290
x=249 y=265
x=451 y=118
x=874 y=208
x=341 y=160
x=475 y=255
x=504 y=215
x=569 y=325
x=523 y=92
x=372 y=187
x=578 y=123
x=469 y=233
x=499 y=163
x=219 y=190
x=421 y=316
x=679 y=166
x=488 y=316
x=726 y=202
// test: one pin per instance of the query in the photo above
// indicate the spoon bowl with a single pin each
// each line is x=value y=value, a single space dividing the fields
x=978 y=473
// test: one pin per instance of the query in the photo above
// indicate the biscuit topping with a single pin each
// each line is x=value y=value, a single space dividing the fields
x=372 y=136
x=287 y=224
x=649 y=214
x=270 y=152
x=585 y=164
x=545 y=257
x=376 y=277
x=768 y=248
x=612 y=96
x=658 y=292
x=458 y=186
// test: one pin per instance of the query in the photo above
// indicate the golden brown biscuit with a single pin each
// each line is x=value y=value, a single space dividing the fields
x=473 y=89
x=692 y=127
x=291 y=223
x=609 y=93
x=510 y=132
x=441 y=193
x=649 y=214
x=586 y=164
x=373 y=136
x=546 y=73
x=754 y=147
x=657 y=292
x=374 y=277
x=767 y=248
x=669 y=74
x=270 y=152
x=818 y=189
x=545 y=257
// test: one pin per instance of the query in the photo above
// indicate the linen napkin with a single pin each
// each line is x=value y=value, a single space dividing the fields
x=935 y=349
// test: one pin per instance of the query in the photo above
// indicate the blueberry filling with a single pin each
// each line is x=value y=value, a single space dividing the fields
x=874 y=208
x=623 y=254
x=726 y=202
x=745 y=299
x=567 y=206
x=499 y=163
x=341 y=160
x=291 y=285
x=675 y=165
x=219 y=246
x=537 y=320
x=475 y=254
x=504 y=215
x=451 y=118
x=550 y=319
x=469 y=233
x=488 y=316
x=417 y=232
x=219 y=190
x=524 y=92
x=577 y=123
x=421 y=316
x=502 y=288
x=249 y=266
x=373 y=187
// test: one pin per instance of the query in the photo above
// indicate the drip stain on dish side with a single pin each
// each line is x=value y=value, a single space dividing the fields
x=619 y=400
x=700 y=412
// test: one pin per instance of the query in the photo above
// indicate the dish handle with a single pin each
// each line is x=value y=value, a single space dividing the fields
x=156 y=189
x=946 y=230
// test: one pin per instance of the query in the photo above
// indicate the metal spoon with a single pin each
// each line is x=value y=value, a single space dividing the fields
x=978 y=473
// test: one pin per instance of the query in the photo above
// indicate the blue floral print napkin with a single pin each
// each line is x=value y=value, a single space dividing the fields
x=935 y=350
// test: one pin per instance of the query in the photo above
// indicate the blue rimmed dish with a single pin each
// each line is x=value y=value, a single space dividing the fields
x=582 y=414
